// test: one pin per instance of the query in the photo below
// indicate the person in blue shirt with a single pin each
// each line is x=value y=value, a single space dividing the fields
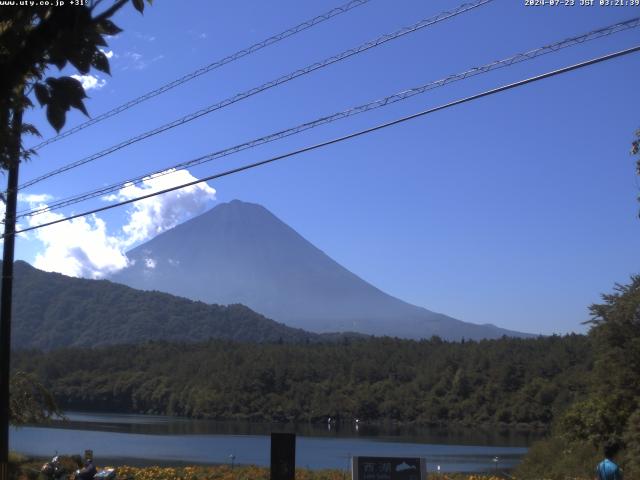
x=608 y=469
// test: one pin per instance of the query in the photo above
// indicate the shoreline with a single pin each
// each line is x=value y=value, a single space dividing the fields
x=162 y=443
x=497 y=427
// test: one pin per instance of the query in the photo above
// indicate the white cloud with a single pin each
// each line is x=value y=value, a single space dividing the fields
x=34 y=198
x=137 y=61
x=152 y=216
x=146 y=37
x=83 y=247
x=90 y=81
x=108 y=53
x=19 y=226
x=79 y=248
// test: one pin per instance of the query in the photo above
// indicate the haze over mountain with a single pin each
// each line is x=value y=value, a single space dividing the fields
x=52 y=311
x=240 y=252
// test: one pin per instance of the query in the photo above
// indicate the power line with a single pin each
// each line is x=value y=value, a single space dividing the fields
x=207 y=68
x=265 y=86
x=486 y=93
x=520 y=57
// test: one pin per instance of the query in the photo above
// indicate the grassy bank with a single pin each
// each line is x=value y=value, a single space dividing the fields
x=28 y=469
x=225 y=472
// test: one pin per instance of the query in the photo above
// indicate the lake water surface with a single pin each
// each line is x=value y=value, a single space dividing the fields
x=145 y=439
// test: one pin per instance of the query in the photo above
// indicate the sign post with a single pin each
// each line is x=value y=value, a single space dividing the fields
x=283 y=456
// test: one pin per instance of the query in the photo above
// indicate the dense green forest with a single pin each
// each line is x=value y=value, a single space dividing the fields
x=509 y=381
x=54 y=311
x=586 y=387
x=609 y=411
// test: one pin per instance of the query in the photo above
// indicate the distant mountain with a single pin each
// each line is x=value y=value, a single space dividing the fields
x=53 y=311
x=240 y=252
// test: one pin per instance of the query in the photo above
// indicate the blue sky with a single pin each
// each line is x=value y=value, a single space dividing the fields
x=518 y=210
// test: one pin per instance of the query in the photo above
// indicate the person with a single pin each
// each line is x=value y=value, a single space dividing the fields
x=608 y=469
x=88 y=472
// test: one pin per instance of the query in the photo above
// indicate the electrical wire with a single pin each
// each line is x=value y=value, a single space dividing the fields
x=520 y=57
x=208 y=68
x=359 y=133
x=273 y=83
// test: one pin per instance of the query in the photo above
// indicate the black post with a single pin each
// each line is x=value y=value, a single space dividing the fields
x=283 y=456
x=7 y=291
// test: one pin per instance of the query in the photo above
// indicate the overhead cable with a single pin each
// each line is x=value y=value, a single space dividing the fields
x=207 y=68
x=403 y=95
x=345 y=137
x=265 y=86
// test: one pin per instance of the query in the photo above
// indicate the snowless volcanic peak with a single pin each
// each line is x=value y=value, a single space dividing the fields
x=240 y=252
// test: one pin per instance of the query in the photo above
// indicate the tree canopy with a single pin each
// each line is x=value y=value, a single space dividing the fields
x=30 y=401
x=32 y=40
x=508 y=381
x=609 y=410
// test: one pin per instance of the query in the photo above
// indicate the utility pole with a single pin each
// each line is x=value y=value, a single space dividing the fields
x=6 y=290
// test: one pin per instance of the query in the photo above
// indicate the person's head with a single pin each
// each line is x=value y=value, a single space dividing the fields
x=611 y=450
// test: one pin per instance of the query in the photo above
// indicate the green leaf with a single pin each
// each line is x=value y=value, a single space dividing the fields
x=138 y=5
x=97 y=39
x=26 y=154
x=100 y=62
x=67 y=92
x=26 y=103
x=57 y=58
x=42 y=93
x=108 y=27
x=71 y=86
x=30 y=129
x=52 y=81
x=79 y=104
x=81 y=59
x=56 y=116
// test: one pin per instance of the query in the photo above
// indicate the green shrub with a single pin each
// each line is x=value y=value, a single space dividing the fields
x=553 y=459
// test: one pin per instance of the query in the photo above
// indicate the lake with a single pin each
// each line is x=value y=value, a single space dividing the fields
x=147 y=439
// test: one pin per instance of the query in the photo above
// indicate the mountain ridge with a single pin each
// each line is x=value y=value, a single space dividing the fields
x=51 y=311
x=239 y=252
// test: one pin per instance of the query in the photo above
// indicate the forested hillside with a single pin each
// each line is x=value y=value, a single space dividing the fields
x=511 y=381
x=609 y=411
x=54 y=311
